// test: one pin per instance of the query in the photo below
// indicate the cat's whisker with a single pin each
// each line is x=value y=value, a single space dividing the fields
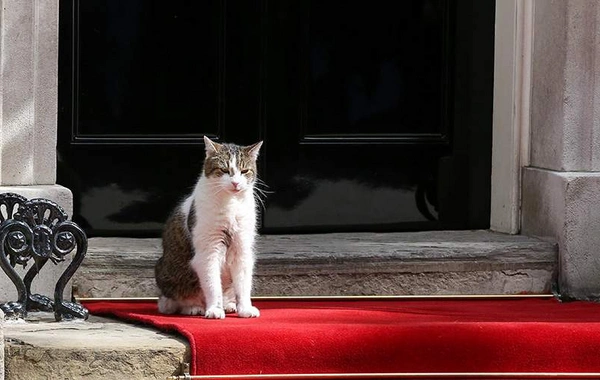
x=260 y=200
x=264 y=193
x=264 y=188
x=216 y=187
x=261 y=183
x=260 y=196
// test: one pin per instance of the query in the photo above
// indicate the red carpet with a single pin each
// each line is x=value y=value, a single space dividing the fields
x=366 y=336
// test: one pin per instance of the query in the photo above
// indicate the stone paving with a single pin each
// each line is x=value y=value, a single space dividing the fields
x=98 y=348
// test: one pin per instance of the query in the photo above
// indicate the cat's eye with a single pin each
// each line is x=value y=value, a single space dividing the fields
x=245 y=171
x=225 y=170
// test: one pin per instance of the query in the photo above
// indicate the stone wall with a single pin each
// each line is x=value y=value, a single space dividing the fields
x=561 y=187
x=28 y=112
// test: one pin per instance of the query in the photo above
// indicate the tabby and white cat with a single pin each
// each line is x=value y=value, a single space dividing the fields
x=208 y=241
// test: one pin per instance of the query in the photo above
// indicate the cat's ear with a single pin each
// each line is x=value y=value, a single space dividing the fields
x=253 y=149
x=210 y=146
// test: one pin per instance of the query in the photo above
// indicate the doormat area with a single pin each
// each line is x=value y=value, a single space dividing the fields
x=385 y=336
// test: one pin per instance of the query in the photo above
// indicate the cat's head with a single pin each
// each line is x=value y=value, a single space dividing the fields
x=231 y=167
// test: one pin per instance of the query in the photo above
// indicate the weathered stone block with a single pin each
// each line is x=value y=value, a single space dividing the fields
x=29 y=82
x=95 y=349
x=566 y=205
x=565 y=131
x=437 y=262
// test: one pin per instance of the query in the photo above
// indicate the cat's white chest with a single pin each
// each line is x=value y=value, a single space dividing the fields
x=234 y=215
x=237 y=213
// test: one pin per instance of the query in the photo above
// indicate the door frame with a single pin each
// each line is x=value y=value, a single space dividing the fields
x=511 y=115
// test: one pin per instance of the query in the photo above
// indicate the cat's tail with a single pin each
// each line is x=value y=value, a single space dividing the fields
x=167 y=305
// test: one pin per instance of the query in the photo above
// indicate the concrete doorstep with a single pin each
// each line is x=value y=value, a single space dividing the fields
x=436 y=262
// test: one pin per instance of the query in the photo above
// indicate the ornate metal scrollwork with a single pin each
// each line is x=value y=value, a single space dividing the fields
x=38 y=230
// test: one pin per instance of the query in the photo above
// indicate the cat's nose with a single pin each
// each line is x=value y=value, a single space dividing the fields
x=235 y=184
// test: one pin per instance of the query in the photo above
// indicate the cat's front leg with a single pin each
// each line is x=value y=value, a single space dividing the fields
x=242 y=268
x=208 y=268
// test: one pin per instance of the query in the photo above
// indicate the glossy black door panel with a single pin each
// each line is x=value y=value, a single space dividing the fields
x=140 y=73
x=140 y=83
x=353 y=187
x=376 y=69
x=120 y=193
x=361 y=93
x=376 y=116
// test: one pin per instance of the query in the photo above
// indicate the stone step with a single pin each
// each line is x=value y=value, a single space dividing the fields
x=423 y=263
x=451 y=262
x=96 y=349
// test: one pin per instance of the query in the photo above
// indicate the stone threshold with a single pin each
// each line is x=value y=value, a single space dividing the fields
x=422 y=263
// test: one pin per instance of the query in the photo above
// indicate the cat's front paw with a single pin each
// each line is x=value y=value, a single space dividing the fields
x=215 y=312
x=248 y=312
x=230 y=308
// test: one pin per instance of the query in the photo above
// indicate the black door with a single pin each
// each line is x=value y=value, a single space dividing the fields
x=376 y=116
